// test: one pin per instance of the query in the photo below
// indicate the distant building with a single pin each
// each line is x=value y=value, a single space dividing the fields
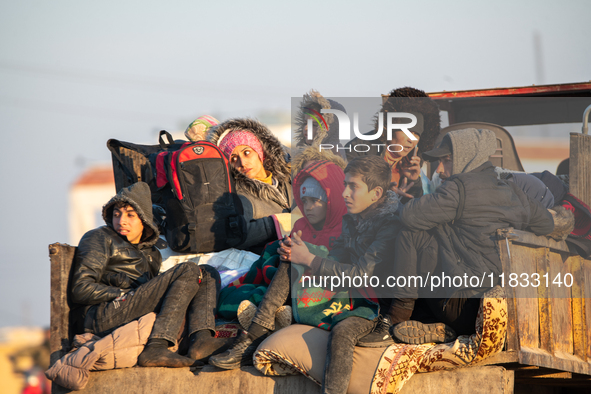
x=88 y=194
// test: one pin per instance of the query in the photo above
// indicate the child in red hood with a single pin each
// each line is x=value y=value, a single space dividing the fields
x=318 y=190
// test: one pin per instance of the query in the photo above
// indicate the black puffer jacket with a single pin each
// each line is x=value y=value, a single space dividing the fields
x=107 y=263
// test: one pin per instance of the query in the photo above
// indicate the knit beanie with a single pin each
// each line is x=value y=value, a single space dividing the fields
x=233 y=138
x=197 y=130
x=311 y=188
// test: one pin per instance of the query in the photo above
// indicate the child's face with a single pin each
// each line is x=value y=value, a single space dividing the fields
x=126 y=222
x=357 y=197
x=314 y=209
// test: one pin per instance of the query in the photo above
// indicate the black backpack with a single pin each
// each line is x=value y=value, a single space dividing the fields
x=193 y=182
x=134 y=162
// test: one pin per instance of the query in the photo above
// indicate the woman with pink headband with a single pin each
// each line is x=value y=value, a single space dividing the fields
x=262 y=175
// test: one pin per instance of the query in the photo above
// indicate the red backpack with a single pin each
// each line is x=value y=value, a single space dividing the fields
x=203 y=211
x=193 y=183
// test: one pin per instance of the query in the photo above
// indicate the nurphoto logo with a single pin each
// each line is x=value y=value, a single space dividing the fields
x=345 y=129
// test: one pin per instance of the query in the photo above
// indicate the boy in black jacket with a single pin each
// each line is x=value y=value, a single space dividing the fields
x=365 y=247
x=116 y=281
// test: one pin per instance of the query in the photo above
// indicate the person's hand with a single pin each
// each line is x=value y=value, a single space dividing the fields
x=403 y=188
x=412 y=169
x=284 y=249
x=299 y=251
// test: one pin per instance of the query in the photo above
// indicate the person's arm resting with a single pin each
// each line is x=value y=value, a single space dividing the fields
x=91 y=261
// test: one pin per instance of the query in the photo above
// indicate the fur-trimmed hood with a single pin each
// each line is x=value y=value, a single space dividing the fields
x=387 y=208
x=137 y=195
x=317 y=102
x=312 y=153
x=274 y=153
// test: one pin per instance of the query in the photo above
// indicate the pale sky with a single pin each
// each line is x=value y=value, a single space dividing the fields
x=75 y=73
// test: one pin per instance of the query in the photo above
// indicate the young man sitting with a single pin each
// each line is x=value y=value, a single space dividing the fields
x=116 y=281
x=453 y=232
x=364 y=247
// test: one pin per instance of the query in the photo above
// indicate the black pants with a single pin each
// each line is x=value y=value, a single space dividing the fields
x=173 y=294
x=459 y=312
x=416 y=254
x=341 y=341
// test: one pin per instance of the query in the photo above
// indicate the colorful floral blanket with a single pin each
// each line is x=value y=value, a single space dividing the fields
x=399 y=362
x=322 y=308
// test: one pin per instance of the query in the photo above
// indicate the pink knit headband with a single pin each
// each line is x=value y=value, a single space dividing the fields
x=240 y=137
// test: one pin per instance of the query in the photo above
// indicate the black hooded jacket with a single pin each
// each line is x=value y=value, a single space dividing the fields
x=106 y=263
x=467 y=245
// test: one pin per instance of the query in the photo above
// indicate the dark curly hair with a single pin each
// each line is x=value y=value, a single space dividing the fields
x=409 y=99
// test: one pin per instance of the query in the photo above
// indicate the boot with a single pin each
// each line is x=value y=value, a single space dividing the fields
x=380 y=336
x=203 y=345
x=156 y=354
x=415 y=332
x=241 y=353
x=247 y=310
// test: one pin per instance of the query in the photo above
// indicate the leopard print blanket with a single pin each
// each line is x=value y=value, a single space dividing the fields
x=399 y=362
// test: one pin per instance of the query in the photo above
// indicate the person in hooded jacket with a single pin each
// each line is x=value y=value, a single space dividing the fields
x=320 y=185
x=364 y=248
x=453 y=231
x=116 y=281
x=262 y=175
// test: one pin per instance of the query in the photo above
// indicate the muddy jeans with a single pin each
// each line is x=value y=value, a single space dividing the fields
x=172 y=295
x=341 y=346
x=276 y=296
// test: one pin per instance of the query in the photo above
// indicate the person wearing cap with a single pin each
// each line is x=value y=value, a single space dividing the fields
x=320 y=186
x=116 y=280
x=453 y=231
x=405 y=162
x=262 y=177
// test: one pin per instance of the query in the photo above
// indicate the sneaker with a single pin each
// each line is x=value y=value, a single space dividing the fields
x=380 y=336
x=414 y=332
x=240 y=355
x=246 y=311
x=283 y=317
